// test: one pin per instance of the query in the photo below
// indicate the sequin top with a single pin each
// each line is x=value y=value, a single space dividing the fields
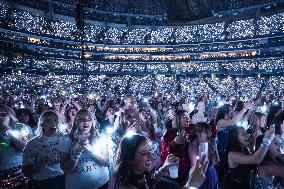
x=180 y=150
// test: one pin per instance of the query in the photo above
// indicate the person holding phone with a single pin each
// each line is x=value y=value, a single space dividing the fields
x=84 y=154
x=13 y=137
x=200 y=146
x=241 y=161
x=176 y=141
x=133 y=164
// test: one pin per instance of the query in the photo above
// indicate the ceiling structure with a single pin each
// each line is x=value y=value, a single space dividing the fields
x=158 y=12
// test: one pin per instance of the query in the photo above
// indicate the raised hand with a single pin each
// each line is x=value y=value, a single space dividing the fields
x=197 y=173
x=171 y=160
x=78 y=149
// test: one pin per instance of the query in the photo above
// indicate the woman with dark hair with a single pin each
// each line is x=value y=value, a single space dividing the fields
x=176 y=141
x=272 y=112
x=241 y=161
x=271 y=166
x=279 y=123
x=25 y=116
x=134 y=161
x=199 y=113
x=201 y=135
x=224 y=120
x=41 y=157
x=169 y=119
x=70 y=116
x=84 y=154
x=13 y=137
x=59 y=108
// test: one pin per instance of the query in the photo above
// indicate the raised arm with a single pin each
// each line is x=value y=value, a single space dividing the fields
x=223 y=123
x=235 y=158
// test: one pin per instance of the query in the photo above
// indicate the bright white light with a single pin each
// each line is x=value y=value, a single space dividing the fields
x=263 y=109
x=15 y=133
x=91 y=96
x=130 y=133
x=24 y=132
x=98 y=147
x=275 y=103
x=145 y=100
x=109 y=130
x=191 y=106
x=243 y=124
x=62 y=127
x=220 y=104
x=43 y=97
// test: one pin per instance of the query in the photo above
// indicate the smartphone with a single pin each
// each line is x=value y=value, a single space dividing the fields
x=272 y=127
x=203 y=149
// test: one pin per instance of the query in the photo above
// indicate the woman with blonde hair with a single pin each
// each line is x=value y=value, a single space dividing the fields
x=84 y=154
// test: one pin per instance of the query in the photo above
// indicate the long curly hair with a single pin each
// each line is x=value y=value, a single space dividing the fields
x=125 y=156
x=94 y=129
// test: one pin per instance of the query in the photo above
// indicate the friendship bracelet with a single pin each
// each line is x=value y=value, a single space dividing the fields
x=265 y=143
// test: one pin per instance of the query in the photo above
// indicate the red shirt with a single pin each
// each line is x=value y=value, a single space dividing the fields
x=179 y=150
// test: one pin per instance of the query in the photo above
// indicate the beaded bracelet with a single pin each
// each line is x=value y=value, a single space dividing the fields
x=265 y=143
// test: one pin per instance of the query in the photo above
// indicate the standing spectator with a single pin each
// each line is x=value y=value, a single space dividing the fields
x=13 y=136
x=84 y=155
x=176 y=141
x=41 y=157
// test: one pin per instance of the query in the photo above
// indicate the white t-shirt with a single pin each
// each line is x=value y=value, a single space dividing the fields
x=10 y=156
x=39 y=146
x=88 y=173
